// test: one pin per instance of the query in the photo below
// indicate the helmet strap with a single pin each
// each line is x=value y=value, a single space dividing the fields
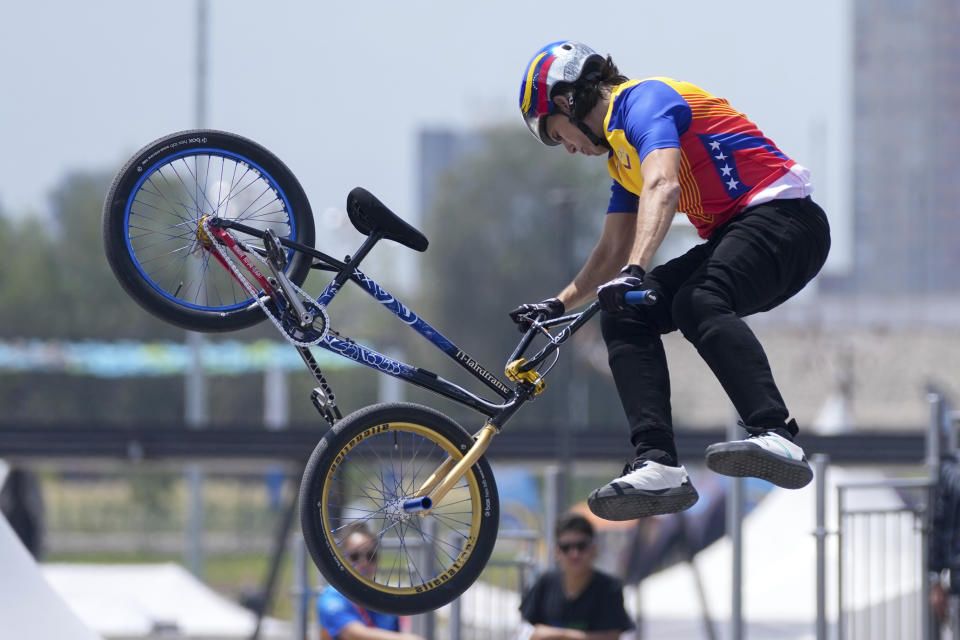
x=591 y=136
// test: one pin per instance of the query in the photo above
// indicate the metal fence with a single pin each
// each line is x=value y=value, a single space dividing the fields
x=883 y=545
x=490 y=608
x=882 y=550
x=143 y=509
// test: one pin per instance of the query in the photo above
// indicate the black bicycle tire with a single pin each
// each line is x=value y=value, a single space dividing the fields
x=122 y=262
x=319 y=545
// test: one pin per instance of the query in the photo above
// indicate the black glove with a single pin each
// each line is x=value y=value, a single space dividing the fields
x=548 y=309
x=611 y=294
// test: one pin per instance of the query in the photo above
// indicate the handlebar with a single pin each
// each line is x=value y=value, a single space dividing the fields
x=573 y=323
x=637 y=298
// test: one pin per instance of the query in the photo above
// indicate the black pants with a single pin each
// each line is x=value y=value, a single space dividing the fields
x=753 y=263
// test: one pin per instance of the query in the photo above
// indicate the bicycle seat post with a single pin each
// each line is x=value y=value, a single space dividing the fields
x=352 y=261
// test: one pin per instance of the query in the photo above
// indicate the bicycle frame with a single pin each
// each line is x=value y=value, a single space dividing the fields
x=528 y=382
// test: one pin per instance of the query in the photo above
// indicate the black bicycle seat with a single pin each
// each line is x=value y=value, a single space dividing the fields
x=369 y=215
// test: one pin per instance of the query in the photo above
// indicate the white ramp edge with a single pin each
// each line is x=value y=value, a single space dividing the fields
x=147 y=600
x=31 y=607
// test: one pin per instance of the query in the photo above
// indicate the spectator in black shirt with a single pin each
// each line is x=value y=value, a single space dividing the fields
x=577 y=601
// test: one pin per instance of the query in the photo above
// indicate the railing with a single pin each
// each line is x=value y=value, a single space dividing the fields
x=490 y=609
x=882 y=551
x=883 y=542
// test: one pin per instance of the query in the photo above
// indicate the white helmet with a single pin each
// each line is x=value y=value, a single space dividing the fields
x=562 y=61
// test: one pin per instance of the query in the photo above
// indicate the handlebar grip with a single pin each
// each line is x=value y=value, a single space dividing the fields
x=646 y=297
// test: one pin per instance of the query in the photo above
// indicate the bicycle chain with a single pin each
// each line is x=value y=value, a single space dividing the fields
x=277 y=321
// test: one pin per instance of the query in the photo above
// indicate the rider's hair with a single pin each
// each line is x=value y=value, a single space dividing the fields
x=587 y=90
x=573 y=522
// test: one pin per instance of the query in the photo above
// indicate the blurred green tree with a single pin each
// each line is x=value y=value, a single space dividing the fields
x=55 y=280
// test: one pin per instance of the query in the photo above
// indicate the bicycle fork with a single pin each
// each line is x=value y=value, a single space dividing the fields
x=449 y=473
x=450 y=470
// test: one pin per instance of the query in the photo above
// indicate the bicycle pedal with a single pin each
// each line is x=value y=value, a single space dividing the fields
x=325 y=405
x=302 y=310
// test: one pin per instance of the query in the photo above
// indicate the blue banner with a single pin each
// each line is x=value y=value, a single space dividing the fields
x=135 y=359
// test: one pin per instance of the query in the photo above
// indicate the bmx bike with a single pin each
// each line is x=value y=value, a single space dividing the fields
x=212 y=232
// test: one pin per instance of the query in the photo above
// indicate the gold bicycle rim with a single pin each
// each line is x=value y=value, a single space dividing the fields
x=472 y=485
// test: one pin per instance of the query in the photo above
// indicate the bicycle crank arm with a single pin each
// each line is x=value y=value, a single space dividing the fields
x=277 y=261
x=443 y=479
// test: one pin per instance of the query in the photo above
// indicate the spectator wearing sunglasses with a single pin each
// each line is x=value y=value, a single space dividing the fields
x=341 y=619
x=575 y=601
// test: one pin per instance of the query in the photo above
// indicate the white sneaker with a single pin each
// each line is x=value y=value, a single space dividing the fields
x=645 y=488
x=766 y=455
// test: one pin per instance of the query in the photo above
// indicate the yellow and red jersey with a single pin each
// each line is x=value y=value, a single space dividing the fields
x=726 y=163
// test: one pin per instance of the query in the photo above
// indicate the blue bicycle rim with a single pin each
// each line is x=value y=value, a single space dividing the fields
x=209 y=151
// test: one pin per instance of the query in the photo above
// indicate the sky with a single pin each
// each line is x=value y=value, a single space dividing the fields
x=339 y=91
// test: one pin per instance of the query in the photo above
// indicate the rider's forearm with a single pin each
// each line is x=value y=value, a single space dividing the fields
x=603 y=264
x=658 y=205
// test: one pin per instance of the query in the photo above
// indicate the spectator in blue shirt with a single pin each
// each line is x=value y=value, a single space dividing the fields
x=341 y=619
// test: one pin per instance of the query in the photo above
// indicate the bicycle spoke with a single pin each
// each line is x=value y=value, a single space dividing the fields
x=233 y=181
x=256 y=213
x=169 y=212
x=411 y=561
x=163 y=194
x=263 y=216
x=233 y=194
x=450 y=519
x=437 y=542
x=177 y=265
x=198 y=187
